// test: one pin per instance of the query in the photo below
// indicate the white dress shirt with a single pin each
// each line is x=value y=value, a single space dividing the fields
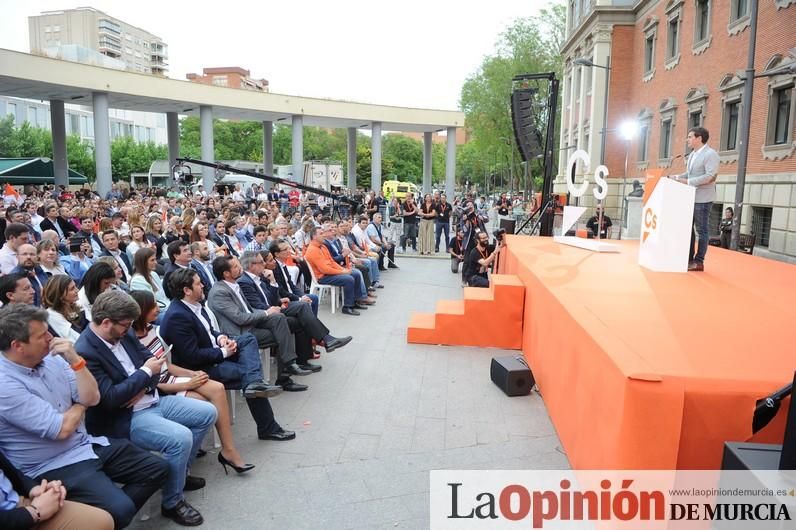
x=147 y=400
x=236 y=289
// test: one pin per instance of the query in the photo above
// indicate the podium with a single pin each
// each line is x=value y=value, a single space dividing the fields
x=666 y=226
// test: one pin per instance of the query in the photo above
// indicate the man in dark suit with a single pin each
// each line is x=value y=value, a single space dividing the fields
x=203 y=265
x=131 y=407
x=256 y=285
x=234 y=361
x=87 y=231
x=287 y=289
x=110 y=239
x=26 y=254
x=53 y=221
x=180 y=257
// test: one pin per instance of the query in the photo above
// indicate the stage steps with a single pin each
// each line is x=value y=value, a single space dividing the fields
x=485 y=317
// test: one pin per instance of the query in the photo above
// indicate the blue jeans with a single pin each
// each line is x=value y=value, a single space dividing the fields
x=174 y=427
x=242 y=368
x=353 y=286
x=701 y=215
x=373 y=269
x=442 y=227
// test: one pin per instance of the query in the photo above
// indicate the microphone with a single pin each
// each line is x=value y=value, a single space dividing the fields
x=767 y=407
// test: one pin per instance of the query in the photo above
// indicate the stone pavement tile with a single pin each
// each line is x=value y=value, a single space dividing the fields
x=418 y=505
x=488 y=432
x=429 y=435
x=418 y=523
x=359 y=447
x=331 y=496
x=383 y=486
x=395 y=440
x=460 y=433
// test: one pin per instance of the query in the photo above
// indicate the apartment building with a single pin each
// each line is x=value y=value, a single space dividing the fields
x=675 y=64
x=229 y=76
x=139 y=50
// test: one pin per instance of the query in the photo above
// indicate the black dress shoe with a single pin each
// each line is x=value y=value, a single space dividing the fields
x=393 y=266
x=311 y=367
x=261 y=389
x=200 y=453
x=288 y=385
x=337 y=342
x=360 y=306
x=382 y=269
x=350 y=311
x=279 y=436
x=193 y=483
x=183 y=514
x=295 y=369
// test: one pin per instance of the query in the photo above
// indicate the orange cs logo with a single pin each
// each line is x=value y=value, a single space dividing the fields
x=650 y=223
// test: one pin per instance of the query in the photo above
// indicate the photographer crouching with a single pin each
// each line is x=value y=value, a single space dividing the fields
x=481 y=258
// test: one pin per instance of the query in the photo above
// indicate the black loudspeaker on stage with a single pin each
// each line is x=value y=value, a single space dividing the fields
x=523 y=115
x=512 y=375
x=508 y=225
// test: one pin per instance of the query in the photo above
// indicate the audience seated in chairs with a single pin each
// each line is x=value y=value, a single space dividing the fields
x=64 y=316
x=232 y=360
x=26 y=256
x=146 y=278
x=280 y=250
x=131 y=407
x=118 y=281
x=41 y=421
x=183 y=382
x=235 y=316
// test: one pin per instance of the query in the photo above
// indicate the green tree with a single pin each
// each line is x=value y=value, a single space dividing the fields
x=528 y=45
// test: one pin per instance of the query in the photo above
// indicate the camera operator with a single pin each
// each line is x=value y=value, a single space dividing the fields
x=480 y=259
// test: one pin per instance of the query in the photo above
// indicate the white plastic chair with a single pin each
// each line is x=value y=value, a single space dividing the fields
x=318 y=289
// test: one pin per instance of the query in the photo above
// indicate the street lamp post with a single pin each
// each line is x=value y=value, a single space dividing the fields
x=582 y=61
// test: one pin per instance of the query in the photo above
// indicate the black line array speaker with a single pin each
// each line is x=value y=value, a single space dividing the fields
x=512 y=375
x=523 y=115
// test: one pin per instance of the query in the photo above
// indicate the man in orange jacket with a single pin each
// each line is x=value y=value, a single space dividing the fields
x=330 y=273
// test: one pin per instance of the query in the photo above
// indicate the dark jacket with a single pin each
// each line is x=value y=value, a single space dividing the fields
x=126 y=260
x=170 y=267
x=203 y=275
x=287 y=289
x=191 y=347
x=254 y=296
x=335 y=251
x=66 y=227
x=16 y=518
x=112 y=417
x=40 y=275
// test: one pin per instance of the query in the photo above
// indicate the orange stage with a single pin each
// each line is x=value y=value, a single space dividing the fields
x=646 y=370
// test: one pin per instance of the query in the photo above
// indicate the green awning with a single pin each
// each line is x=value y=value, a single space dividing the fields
x=35 y=171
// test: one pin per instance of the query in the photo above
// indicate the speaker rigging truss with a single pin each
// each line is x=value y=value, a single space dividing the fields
x=534 y=105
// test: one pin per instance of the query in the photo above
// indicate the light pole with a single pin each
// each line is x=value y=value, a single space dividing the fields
x=628 y=131
x=582 y=61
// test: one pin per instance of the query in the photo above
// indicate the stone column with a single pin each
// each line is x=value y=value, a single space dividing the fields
x=375 y=157
x=298 y=148
x=427 y=162
x=173 y=135
x=351 y=146
x=208 y=147
x=58 y=126
x=102 y=144
x=268 y=153
x=450 y=164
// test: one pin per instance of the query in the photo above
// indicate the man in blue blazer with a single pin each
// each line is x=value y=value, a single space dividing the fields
x=179 y=253
x=202 y=263
x=234 y=361
x=131 y=406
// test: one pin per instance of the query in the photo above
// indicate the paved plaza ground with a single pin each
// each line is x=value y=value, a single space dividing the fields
x=380 y=415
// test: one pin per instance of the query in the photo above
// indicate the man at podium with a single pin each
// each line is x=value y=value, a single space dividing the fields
x=702 y=167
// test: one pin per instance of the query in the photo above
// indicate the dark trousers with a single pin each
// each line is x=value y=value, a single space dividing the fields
x=699 y=234
x=92 y=481
x=242 y=368
x=442 y=227
x=346 y=281
x=478 y=281
x=276 y=329
x=410 y=234
x=306 y=327
x=390 y=252
x=304 y=278
x=365 y=272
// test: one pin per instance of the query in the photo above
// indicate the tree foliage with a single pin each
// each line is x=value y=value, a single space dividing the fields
x=528 y=45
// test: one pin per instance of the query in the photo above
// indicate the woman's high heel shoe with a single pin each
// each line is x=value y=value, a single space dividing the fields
x=238 y=469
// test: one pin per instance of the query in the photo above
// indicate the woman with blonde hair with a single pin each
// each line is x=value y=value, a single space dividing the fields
x=59 y=298
x=105 y=224
x=188 y=218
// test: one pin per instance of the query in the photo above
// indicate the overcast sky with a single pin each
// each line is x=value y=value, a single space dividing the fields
x=414 y=53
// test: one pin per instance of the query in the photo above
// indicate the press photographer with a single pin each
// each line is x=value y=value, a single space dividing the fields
x=480 y=259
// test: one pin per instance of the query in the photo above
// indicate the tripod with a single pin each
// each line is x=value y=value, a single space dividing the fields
x=543 y=214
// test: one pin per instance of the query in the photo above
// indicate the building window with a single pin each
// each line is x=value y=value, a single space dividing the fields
x=644 y=127
x=781 y=111
x=220 y=80
x=665 y=150
x=667 y=110
x=761 y=224
x=589 y=73
x=674 y=17
x=739 y=9
x=578 y=76
x=701 y=26
x=32 y=116
x=74 y=124
x=11 y=110
x=732 y=91
x=650 y=36
x=696 y=100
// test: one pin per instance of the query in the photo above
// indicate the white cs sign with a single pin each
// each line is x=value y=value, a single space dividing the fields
x=601 y=189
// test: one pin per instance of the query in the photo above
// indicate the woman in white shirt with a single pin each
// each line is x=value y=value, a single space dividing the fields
x=145 y=277
x=139 y=240
x=59 y=298
x=48 y=257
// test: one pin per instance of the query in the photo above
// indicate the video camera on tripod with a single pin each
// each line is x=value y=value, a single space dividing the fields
x=183 y=176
